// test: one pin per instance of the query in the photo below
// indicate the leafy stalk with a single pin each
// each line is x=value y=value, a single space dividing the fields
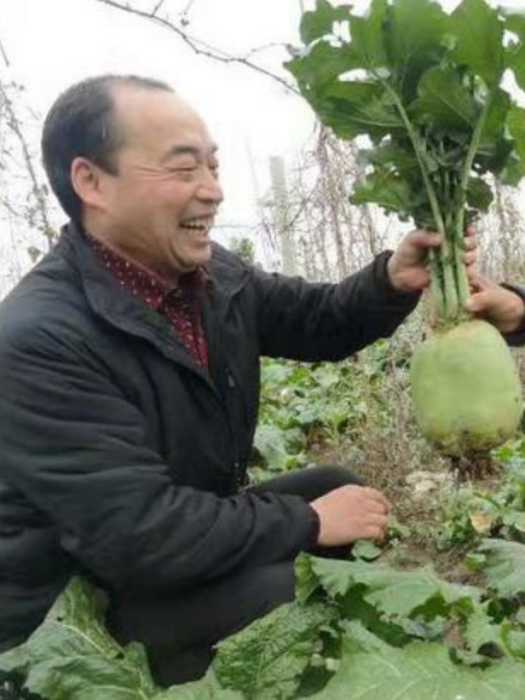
x=462 y=280
x=417 y=101
x=443 y=286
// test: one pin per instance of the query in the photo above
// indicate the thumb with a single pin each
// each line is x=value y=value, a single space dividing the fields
x=479 y=302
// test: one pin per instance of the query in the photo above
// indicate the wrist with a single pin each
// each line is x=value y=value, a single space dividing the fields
x=514 y=331
x=315 y=528
x=391 y=269
x=517 y=315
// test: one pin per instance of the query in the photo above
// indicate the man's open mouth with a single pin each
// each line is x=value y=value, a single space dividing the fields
x=198 y=225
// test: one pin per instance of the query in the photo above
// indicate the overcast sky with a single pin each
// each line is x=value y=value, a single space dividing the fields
x=53 y=43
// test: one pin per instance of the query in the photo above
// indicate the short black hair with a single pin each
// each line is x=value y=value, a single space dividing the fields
x=82 y=122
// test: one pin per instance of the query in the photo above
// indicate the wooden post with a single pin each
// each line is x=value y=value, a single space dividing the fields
x=281 y=215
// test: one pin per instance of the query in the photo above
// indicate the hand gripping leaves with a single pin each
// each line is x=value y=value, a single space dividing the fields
x=426 y=88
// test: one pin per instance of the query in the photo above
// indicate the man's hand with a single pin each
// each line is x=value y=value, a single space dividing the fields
x=351 y=513
x=407 y=268
x=501 y=307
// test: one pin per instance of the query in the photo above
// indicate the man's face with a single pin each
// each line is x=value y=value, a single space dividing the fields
x=160 y=207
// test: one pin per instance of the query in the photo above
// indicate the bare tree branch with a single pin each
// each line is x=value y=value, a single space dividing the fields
x=4 y=54
x=37 y=190
x=157 y=7
x=199 y=47
x=188 y=7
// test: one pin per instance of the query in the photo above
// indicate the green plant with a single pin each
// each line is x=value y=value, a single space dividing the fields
x=463 y=516
x=356 y=630
x=426 y=87
x=305 y=405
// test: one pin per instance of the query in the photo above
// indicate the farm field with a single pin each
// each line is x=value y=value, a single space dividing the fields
x=439 y=606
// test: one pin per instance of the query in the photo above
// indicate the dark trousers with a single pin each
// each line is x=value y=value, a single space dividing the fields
x=179 y=631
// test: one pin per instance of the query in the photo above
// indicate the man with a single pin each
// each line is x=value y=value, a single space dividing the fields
x=129 y=375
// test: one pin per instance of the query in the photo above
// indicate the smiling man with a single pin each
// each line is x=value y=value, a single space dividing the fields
x=129 y=375
x=158 y=208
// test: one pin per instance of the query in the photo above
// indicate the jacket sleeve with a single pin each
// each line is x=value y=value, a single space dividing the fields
x=517 y=338
x=305 y=321
x=75 y=447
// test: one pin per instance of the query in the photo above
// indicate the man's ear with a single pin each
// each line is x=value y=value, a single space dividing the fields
x=87 y=181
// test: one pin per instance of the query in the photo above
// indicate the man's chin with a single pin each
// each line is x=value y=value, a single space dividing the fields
x=196 y=258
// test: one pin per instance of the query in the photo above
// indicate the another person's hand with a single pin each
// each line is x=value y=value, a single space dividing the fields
x=351 y=513
x=500 y=306
x=408 y=266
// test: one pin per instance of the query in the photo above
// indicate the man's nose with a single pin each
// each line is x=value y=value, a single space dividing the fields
x=210 y=189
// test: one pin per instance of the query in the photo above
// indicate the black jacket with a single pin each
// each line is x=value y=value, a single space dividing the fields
x=119 y=457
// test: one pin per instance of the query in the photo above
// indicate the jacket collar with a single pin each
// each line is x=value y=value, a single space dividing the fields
x=114 y=303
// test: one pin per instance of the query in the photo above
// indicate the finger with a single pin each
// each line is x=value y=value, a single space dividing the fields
x=478 y=281
x=426 y=239
x=377 y=508
x=374 y=533
x=377 y=497
x=470 y=258
x=374 y=493
x=478 y=303
x=375 y=520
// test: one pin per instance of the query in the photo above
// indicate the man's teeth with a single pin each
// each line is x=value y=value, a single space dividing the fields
x=198 y=224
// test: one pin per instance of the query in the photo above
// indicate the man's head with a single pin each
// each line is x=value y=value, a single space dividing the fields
x=135 y=165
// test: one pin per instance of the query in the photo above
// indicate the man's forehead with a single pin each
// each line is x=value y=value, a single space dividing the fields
x=159 y=115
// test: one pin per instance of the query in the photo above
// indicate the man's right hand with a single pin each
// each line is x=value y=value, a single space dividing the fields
x=351 y=513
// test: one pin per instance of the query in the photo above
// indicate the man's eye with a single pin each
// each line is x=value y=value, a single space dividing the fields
x=187 y=173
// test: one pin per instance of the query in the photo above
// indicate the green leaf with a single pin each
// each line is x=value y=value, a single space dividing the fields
x=320 y=21
x=271 y=445
x=477 y=33
x=208 y=688
x=387 y=190
x=306 y=580
x=266 y=660
x=392 y=156
x=515 y=22
x=367 y=550
x=516 y=61
x=445 y=101
x=367 y=36
x=516 y=51
x=396 y=593
x=413 y=36
x=320 y=65
x=72 y=657
x=333 y=575
x=479 y=194
x=359 y=107
x=495 y=147
x=373 y=670
x=514 y=519
x=481 y=631
x=516 y=126
x=504 y=566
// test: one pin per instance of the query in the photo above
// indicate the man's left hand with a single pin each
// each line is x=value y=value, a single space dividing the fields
x=500 y=306
x=408 y=266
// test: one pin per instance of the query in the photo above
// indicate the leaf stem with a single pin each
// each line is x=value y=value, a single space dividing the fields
x=461 y=273
x=443 y=285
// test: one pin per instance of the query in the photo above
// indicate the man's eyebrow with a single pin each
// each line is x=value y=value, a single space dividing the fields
x=187 y=149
